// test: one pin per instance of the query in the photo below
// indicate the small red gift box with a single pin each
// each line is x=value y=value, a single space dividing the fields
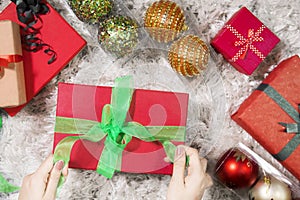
x=148 y=108
x=57 y=33
x=271 y=114
x=244 y=41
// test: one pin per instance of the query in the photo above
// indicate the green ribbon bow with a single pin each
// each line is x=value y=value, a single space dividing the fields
x=117 y=131
x=290 y=128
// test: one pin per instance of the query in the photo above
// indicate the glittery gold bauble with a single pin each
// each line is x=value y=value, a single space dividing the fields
x=91 y=10
x=164 y=20
x=189 y=55
x=270 y=188
x=118 y=35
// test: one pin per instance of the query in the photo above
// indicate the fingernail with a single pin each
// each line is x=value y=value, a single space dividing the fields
x=59 y=165
x=179 y=152
x=167 y=160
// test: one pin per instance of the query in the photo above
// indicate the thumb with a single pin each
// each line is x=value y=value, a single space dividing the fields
x=208 y=180
x=179 y=166
x=53 y=180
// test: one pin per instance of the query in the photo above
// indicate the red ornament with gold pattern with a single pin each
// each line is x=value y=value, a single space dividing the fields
x=236 y=170
x=164 y=20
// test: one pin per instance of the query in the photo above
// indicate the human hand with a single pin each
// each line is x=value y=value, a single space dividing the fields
x=42 y=184
x=192 y=185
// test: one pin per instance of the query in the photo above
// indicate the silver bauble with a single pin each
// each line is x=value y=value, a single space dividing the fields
x=269 y=188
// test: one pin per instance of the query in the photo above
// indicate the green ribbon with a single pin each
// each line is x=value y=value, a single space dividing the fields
x=293 y=128
x=6 y=187
x=116 y=131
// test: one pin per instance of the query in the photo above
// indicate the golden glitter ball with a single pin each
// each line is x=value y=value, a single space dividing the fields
x=189 y=55
x=164 y=20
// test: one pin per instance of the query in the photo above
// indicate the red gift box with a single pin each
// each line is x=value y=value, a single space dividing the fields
x=149 y=108
x=244 y=41
x=63 y=39
x=271 y=114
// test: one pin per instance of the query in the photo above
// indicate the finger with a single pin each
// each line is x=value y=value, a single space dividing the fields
x=46 y=166
x=208 y=180
x=43 y=171
x=179 y=166
x=194 y=162
x=53 y=180
x=203 y=162
x=65 y=171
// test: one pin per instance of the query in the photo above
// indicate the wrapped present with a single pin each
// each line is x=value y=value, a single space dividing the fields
x=244 y=41
x=118 y=129
x=271 y=114
x=55 y=32
x=12 y=82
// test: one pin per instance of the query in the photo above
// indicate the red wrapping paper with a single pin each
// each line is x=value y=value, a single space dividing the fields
x=150 y=108
x=64 y=40
x=259 y=115
x=242 y=22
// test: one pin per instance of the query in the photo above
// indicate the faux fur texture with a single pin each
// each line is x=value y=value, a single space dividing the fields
x=26 y=139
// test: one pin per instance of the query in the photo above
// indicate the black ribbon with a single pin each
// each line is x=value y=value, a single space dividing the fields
x=293 y=128
x=28 y=12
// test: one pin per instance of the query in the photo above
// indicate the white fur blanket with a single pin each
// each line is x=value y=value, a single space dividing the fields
x=26 y=139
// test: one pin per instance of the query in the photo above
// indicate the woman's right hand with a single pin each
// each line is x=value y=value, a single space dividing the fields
x=192 y=185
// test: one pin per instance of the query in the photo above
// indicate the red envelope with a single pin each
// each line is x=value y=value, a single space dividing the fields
x=64 y=40
x=149 y=108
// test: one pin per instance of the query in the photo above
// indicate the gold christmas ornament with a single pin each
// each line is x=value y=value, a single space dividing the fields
x=164 y=20
x=189 y=55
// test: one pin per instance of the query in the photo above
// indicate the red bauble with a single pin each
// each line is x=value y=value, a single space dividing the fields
x=236 y=170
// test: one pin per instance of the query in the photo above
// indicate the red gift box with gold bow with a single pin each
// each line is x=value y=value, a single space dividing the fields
x=244 y=41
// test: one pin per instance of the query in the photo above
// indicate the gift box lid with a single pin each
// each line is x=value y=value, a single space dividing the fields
x=63 y=39
x=244 y=41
